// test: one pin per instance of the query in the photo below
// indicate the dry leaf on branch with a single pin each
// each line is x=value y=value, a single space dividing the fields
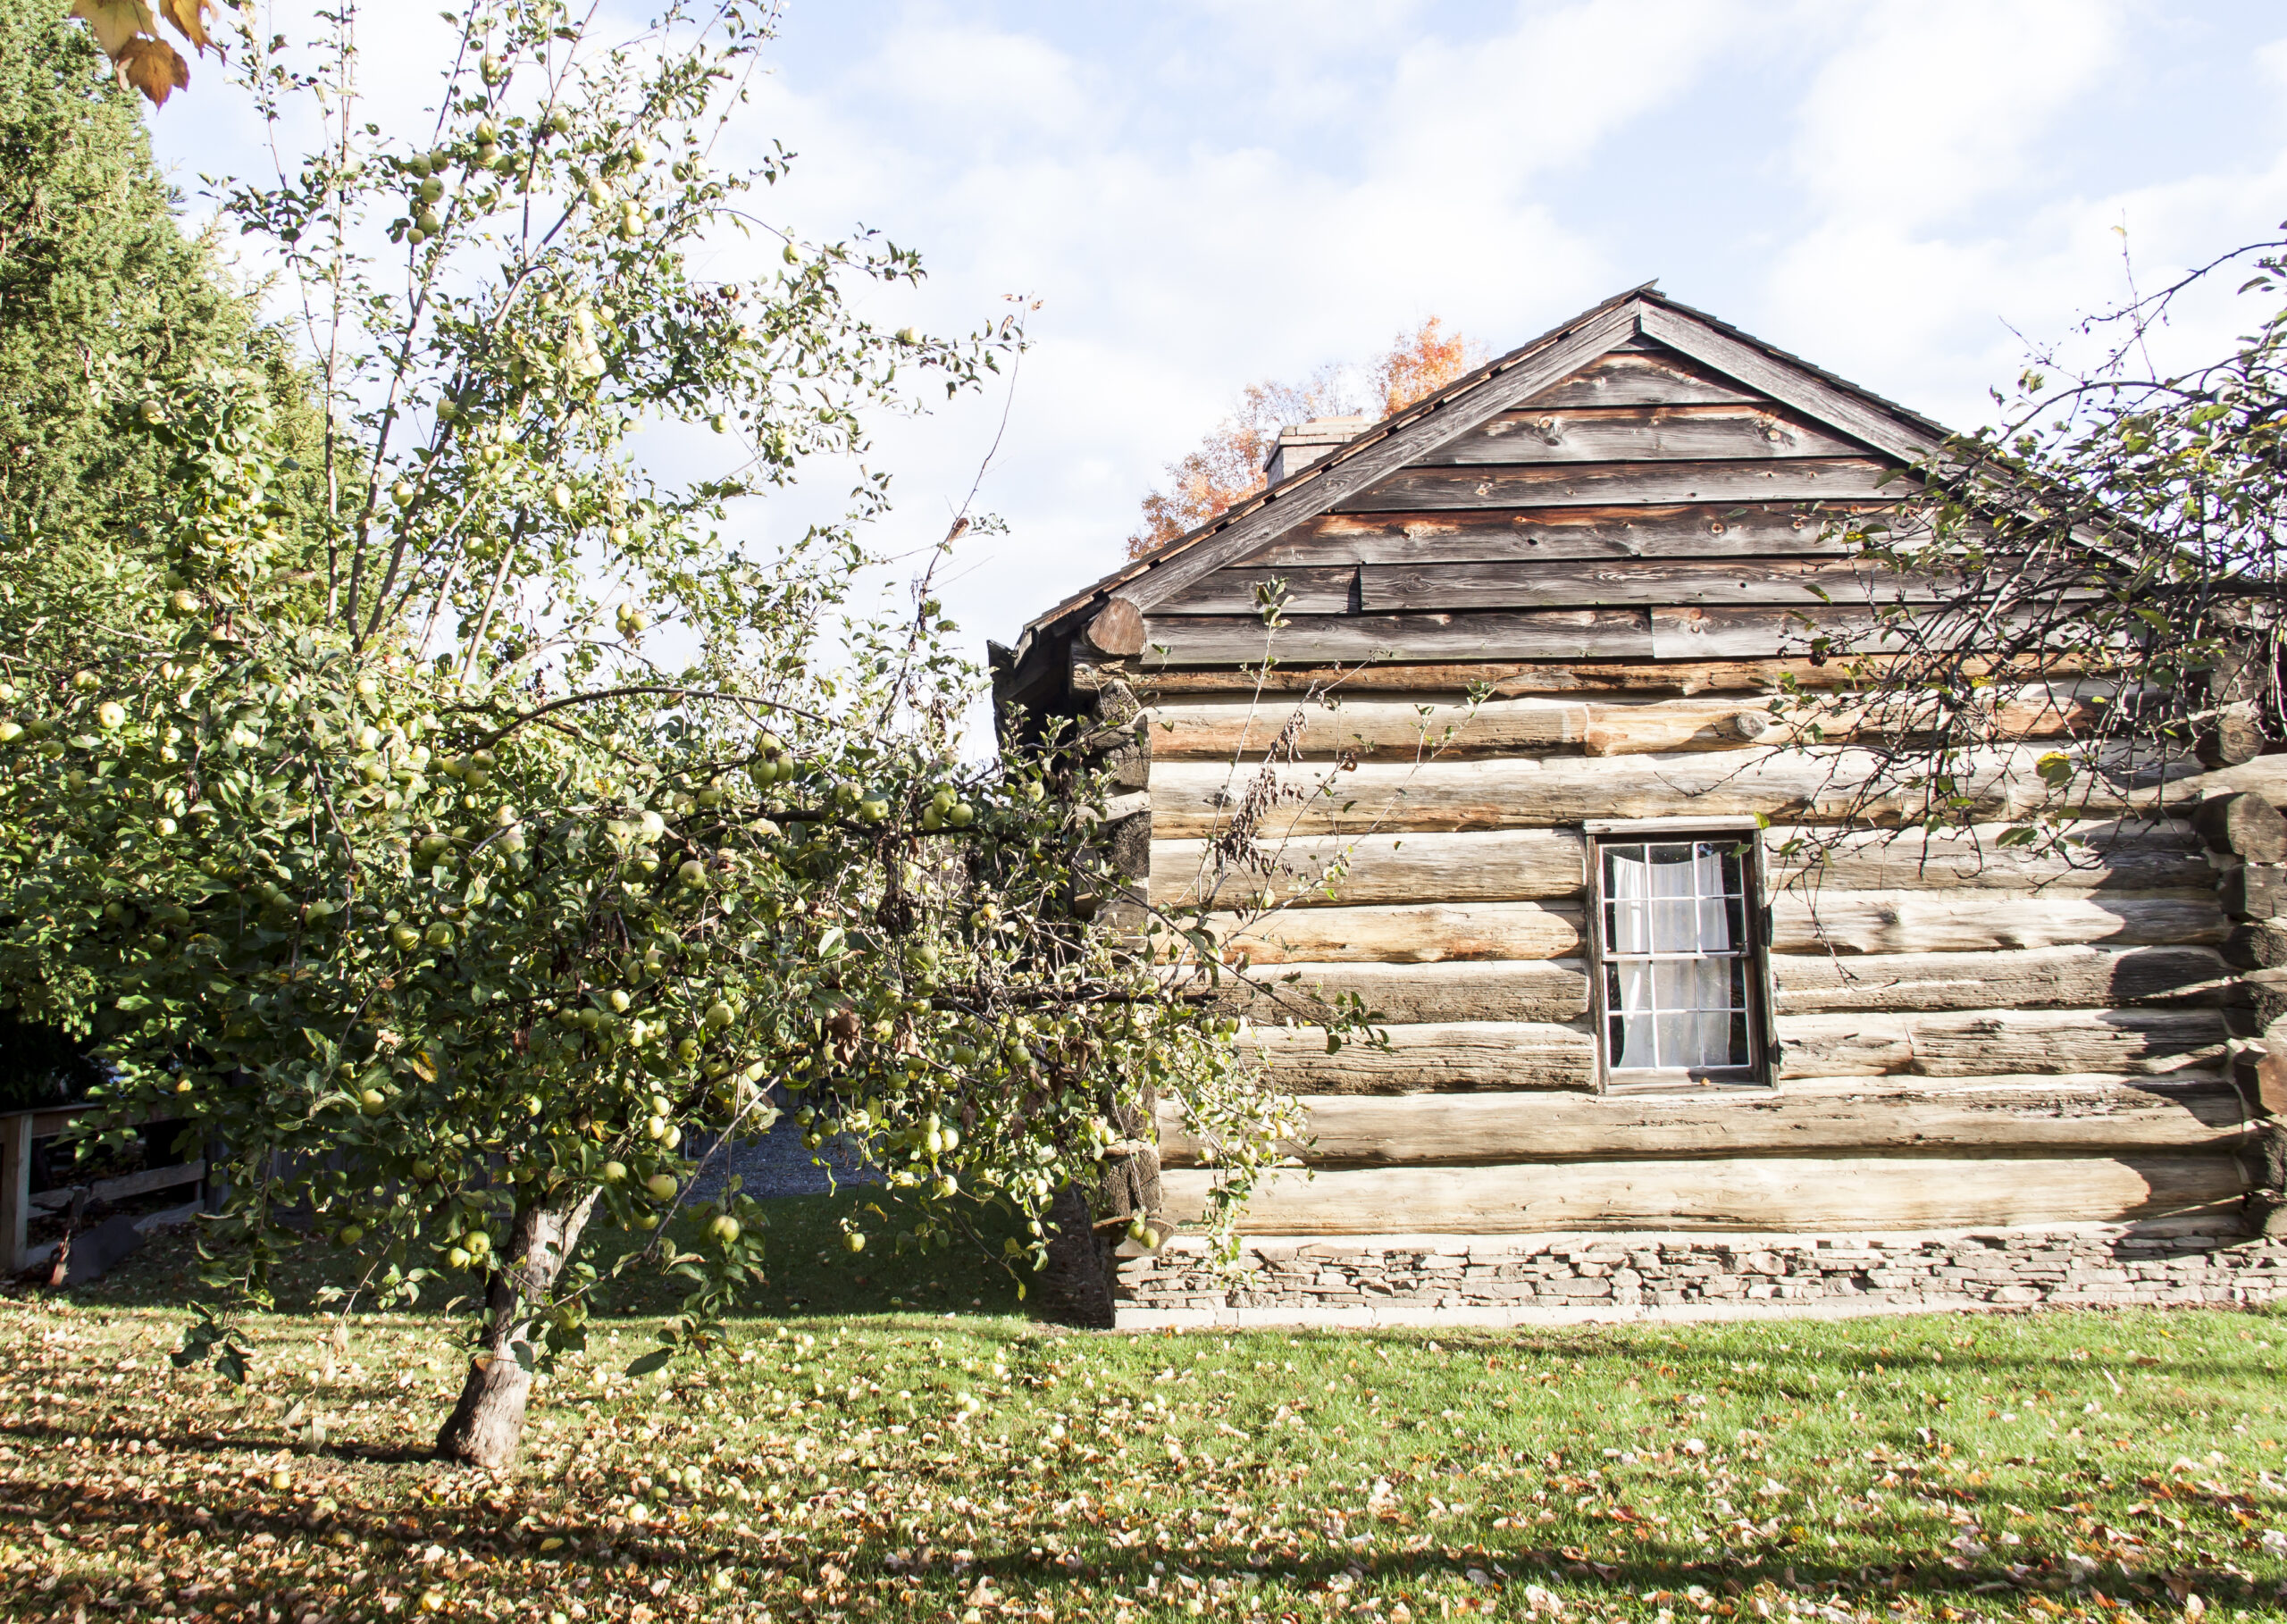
x=128 y=34
x=153 y=67
x=115 y=22
x=189 y=20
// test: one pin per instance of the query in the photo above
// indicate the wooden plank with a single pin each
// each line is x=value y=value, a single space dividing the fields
x=1994 y=1043
x=2078 y=976
x=1334 y=725
x=15 y=1190
x=1329 y=484
x=1529 y=584
x=2127 y=855
x=1826 y=1114
x=1972 y=921
x=1643 y=434
x=1502 y=865
x=1310 y=590
x=1188 y=797
x=1413 y=933
x=1558 y=635
x=1850 y=1193
x=1822 y=479
x=147 y=1179
x=1655 y=379
x=1431 y=1058
x=1798 y=387
x=1710 y=632
x=1554 y=534
x=1453 y=990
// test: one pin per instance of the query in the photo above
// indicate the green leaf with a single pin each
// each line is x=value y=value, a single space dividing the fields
x=655 y=1360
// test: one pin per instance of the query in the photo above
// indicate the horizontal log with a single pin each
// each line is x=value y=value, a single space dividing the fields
x=1639 y=434
x=1431 y=1058
x=1704 y=530
x=1413 y=934
x=1658 y=378
x=1189 y=798
x=2128 y=855
x=2045 y=977
x=1696 y=632
x=1392 y=589
x=1972 y=921
x=1506 y=865
x=1852 y=1193
x=1507 y=678
x=1994 y=1043
x=1827 y=1114
x=1453 y=990
x=1225 y=639
x=1225 y=729
x=1608 y=484
x=1557 y=989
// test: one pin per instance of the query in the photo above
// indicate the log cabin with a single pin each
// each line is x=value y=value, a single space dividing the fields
x=1643 y=1057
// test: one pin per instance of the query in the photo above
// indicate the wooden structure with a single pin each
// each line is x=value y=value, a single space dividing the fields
x=1612 y=1004
x=19 y=1131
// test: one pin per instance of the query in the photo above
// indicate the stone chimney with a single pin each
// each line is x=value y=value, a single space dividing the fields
x=1302 y=444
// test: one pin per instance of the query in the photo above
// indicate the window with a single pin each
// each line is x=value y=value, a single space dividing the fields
x=1678 y=960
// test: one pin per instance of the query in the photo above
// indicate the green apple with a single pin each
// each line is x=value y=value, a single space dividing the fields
x=404 y=938
x=661 y=1185
x=725 y=1229
x=614 y=1172
x=373 y=1101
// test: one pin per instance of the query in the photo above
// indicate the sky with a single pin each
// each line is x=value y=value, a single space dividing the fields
x=1200 y=194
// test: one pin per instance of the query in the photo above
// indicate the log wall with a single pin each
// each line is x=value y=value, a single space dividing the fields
x=1587 y=606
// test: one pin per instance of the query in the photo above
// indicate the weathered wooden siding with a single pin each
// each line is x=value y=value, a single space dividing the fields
x=1631 y=563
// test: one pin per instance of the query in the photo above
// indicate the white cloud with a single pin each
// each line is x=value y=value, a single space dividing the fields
x=1927 y=106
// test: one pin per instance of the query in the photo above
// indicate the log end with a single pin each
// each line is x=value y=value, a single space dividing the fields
x=1118 y=628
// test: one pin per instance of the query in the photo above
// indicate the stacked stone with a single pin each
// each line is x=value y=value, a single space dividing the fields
x=2249 y=839
x=1523 y=1278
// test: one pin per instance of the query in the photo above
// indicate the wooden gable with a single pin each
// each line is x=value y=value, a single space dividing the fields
x=1646 y=505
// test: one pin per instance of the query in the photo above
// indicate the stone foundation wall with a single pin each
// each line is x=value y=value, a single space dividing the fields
x=1551 y=1279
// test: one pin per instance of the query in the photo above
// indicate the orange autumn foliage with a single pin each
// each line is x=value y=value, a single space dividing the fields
x=1227 y=467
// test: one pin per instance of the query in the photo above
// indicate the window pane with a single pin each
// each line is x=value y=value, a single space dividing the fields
x=1675 y=926
x=1678 y=955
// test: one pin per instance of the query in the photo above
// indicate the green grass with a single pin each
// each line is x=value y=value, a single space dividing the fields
x=986 y=1468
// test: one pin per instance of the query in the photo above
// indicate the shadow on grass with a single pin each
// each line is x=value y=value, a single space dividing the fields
x=810 y=1270
x=608 y=1553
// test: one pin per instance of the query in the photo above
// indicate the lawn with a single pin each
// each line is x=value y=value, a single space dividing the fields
x=847 y=1459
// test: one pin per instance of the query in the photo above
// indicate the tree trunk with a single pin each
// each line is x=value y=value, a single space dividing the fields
x=488 y=1424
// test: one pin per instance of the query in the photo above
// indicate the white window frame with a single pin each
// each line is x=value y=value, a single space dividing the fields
x=1761 y=1070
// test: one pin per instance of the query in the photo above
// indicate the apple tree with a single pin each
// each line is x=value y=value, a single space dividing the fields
x=470 y=849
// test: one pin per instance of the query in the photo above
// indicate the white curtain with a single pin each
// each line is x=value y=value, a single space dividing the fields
x=1674 y=1012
